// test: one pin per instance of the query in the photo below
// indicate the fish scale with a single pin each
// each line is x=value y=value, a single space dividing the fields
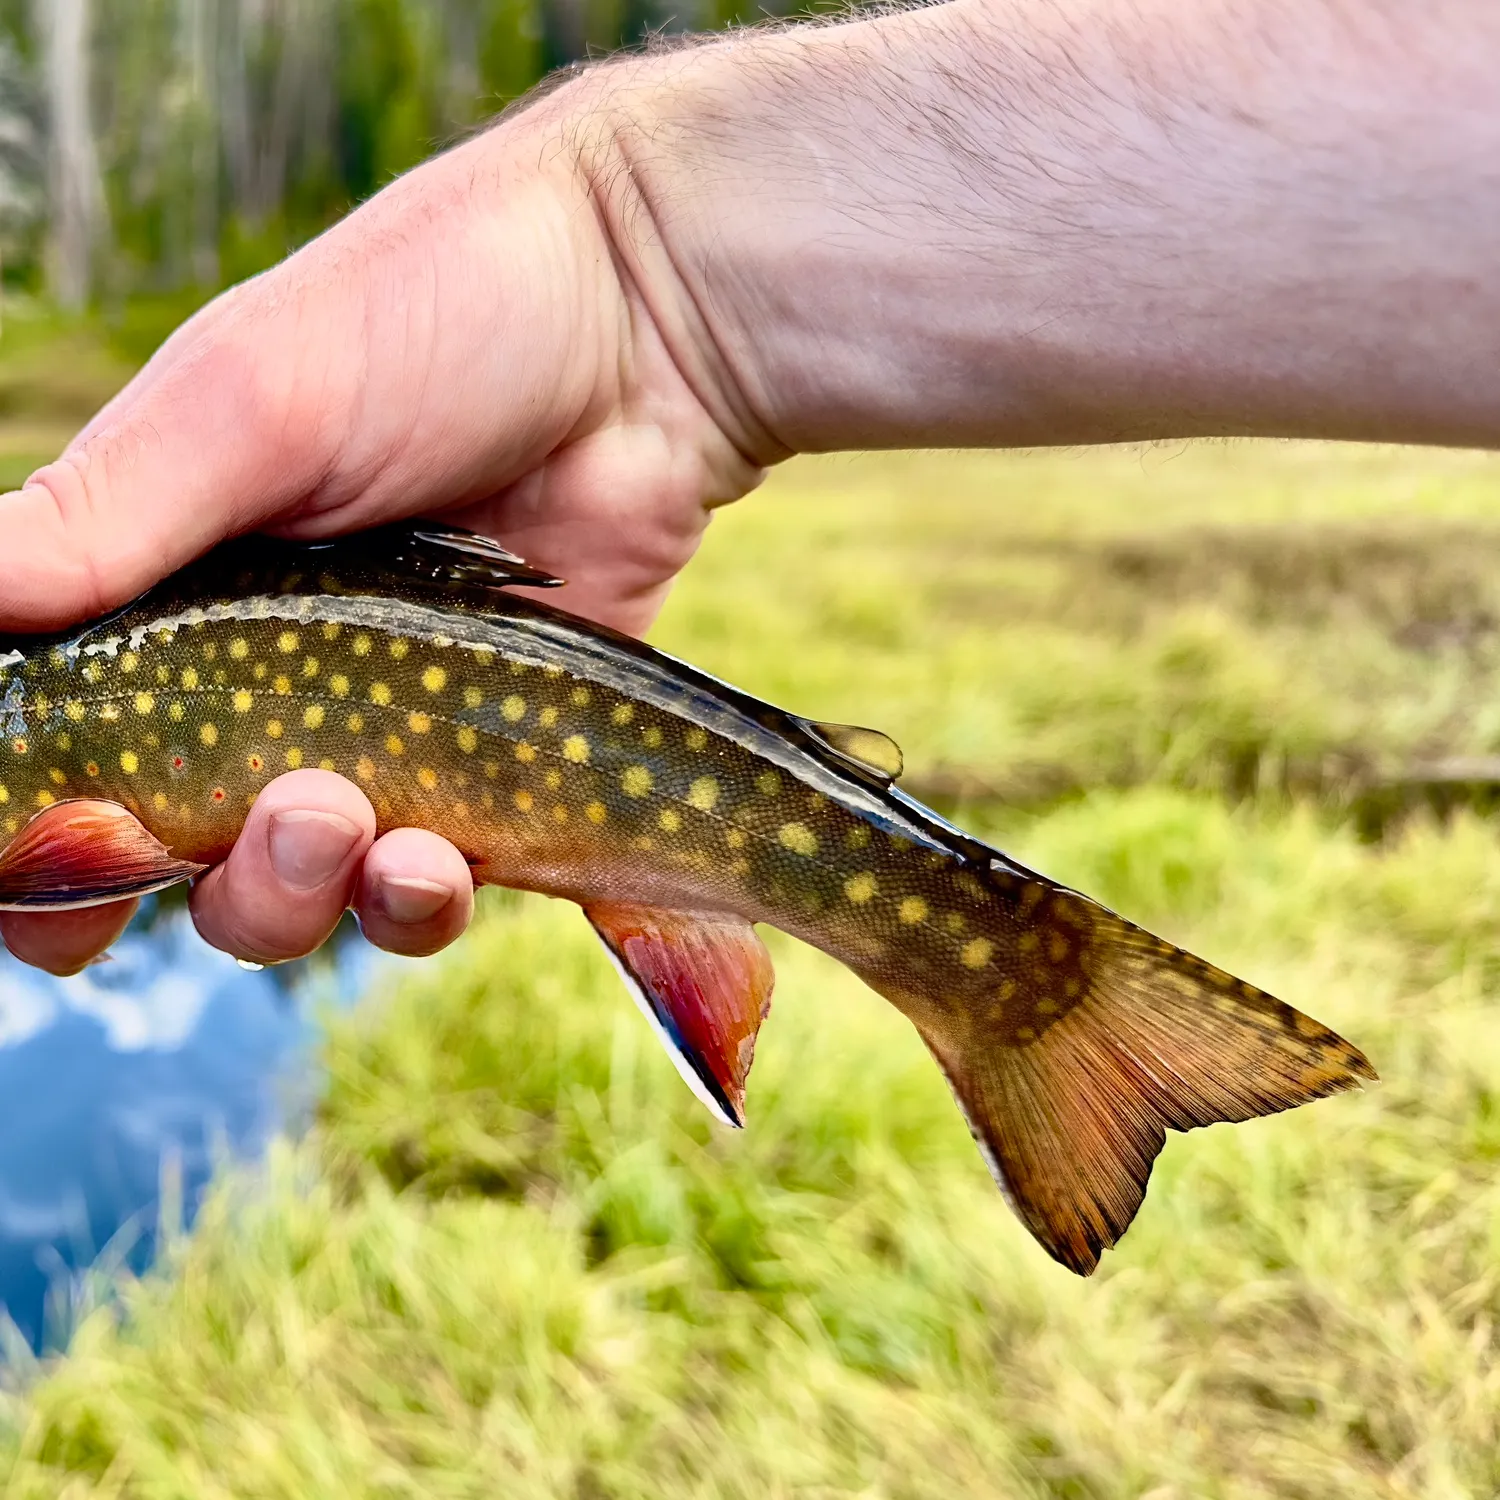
x=677 y=811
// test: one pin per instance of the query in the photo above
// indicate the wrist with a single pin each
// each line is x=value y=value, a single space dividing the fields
x=989 y=222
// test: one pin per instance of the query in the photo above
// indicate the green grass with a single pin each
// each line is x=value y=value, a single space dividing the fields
x=515 y=1258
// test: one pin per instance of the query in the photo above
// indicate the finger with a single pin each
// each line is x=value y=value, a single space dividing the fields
x=291 y=872
x=415 y=893
x=63 y=942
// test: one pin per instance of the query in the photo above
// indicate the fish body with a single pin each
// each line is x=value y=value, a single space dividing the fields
x=677 y=811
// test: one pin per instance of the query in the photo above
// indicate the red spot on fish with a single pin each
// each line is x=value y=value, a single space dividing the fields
x=256 y=763
x=19 y=746
x=218 y=794
x=177 y=762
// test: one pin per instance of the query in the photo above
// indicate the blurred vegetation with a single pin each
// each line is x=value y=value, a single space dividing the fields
x=152 y=151
x=516 y=1258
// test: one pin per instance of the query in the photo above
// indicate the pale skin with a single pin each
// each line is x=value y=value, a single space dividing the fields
x=991 y=222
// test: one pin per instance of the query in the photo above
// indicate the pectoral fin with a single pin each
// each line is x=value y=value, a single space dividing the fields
x=704 y=981
x=83 y=853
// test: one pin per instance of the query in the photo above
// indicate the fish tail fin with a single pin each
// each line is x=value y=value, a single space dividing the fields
x=1087 y=1038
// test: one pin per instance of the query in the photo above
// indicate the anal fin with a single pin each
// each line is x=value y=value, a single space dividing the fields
x=704 y=981
x=84 y=853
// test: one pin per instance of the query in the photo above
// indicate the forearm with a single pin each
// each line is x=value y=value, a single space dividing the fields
x=1011 y=222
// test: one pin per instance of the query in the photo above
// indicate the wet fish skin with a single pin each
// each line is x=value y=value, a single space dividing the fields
x=562 y=758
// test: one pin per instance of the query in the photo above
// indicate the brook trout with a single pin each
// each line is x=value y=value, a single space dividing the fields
x=564 y=758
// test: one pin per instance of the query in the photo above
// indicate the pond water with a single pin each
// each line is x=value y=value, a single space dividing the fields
x=169 y=1058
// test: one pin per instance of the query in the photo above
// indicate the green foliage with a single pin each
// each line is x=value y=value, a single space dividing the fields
x=515 y=1257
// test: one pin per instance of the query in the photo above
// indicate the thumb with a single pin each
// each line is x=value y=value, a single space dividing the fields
x=202 y=444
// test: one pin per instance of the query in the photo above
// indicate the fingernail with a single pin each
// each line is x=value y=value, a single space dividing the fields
x=412 y=900
x=309 y=847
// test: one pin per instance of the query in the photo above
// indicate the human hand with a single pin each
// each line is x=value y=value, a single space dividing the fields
x=464 y=344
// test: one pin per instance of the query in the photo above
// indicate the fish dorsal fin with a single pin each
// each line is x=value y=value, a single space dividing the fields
x=869 y=749
x=704 y=981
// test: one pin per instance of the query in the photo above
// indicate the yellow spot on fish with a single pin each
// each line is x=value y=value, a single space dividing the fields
x=380 y=693
x=419 y=723
x=651 y=737
x=361 y=644
x=310 y=667
x=293 y=758
x=513 y=708
x=163 y=675
x=92 y=769
x=398 y=648
x=325 y=764
x=45 y=799
x=364 y=768
x=735 y=838
x=740 y=865
x=190 y=678
x=695 y=739
x=559 y=814
x=144 y=703
x=799 y=838
x=74 y=710
x=239 y=648
x=954 y=922
x=703 y=794
x=670 y=820
x=243 y=700
x=312 y=716
x=637 y=781
x=553 y=778
x=109 y=711
x=579 y=697
x=623 y=713
x=860 y=888
x=287 y=641
x=435 y=679
x=58 y=775
x=525 y=753
x=768 y=783
x=129 y=662
x=64 y=741
x=283 y=684
x=596 y=812
x=159 y=801
x=338 y=685
x=393 y=745
x=551 y=669
x=210 y=651
x=93 y=672
x=209 y=734
x=548 y=717
x=976 y=953
x=468 y=738
x=576 y=749
x=259 y=671
x=912 y=910
x=176 y=710
x=427 y=778
x=1057 y=950
x=331 y=630
x=273 y=728
x=4 y=794
x=130 y=762
x=1028 y=942
x=472 y=697
x=524 y=801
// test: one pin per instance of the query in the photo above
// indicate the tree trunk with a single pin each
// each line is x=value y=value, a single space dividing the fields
x=76 y=192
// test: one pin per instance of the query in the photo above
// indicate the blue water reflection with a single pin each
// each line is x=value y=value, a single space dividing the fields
x=172 y=1053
